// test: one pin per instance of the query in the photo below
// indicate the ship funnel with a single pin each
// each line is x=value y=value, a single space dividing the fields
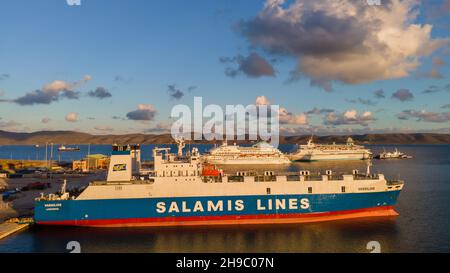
x=121 y=163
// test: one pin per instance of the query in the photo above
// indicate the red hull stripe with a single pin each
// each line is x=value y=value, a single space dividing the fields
x=230 y=219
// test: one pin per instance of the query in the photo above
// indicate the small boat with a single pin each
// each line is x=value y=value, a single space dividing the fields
x=63 y=148
x=393 y=155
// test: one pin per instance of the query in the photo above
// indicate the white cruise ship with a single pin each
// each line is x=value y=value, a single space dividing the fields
x=316 y=152
x=260 y=153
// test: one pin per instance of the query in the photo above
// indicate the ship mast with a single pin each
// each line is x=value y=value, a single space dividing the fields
x=181 y=145
x=369 y=164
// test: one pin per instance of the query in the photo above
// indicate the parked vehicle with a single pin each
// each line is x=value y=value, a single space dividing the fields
x=8 y=194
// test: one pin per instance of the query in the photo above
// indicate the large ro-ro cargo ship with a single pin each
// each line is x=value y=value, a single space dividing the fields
x=181 y=191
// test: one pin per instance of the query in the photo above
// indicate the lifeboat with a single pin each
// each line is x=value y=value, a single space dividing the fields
x=211 y=170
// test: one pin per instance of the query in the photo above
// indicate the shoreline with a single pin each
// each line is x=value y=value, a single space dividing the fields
x=64 y=137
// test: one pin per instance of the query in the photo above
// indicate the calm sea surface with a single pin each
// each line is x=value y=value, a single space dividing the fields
x=423 y=224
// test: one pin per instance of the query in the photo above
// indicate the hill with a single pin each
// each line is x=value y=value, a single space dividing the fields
x=70 y=137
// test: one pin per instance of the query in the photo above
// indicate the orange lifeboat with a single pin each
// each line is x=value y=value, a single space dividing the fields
x=210 y=170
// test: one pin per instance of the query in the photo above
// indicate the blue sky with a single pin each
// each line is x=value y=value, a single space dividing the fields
x=133 y=50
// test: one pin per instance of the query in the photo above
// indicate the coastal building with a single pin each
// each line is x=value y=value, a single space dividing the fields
x=91 y=162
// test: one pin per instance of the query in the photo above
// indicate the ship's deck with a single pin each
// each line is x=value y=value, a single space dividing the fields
x=259 y=177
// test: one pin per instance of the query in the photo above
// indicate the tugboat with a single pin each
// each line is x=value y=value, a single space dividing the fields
x=181 y=191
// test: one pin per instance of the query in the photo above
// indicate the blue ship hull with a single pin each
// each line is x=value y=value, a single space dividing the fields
x=215 y=210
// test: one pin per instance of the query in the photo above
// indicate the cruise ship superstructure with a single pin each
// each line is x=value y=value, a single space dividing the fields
x=315 y=152
x=181 y=191
x=257 y=154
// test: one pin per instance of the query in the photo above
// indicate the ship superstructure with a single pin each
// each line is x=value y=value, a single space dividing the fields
x=315 y=152
x=259 y=153
x=181 y=191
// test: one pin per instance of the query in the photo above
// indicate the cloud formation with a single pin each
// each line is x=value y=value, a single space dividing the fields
x=329 y=130
x=262 y=100
x=344 y=41
x=436 y=89
x=285 y=117
x=160 y=128
x=253 y=66
x=424 y=116
x=100 y=92
x=144 y=112
x=9 y=125
x=349 y=117
x=403 y=95
x=72 y=117
x=434 y=73
x=317 y=111
x=4 y=76
x=431 y=89
x=363 y=101
x=379 y=94
x=120 y=78
x=174 y=92
x=52 y=92
x=439 y=10
x=103 y=128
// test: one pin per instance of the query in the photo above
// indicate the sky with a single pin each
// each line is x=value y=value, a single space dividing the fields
x=119 y=66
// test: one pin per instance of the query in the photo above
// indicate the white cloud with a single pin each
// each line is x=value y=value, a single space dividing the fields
x=58 y=85
x=262 y=100
x=344 y=41
x=52 y=92
x=143 y=112
x=287 y=117
x=72 y=117
x=349 y=117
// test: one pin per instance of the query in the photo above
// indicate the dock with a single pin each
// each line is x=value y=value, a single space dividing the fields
x=10 y=227
x=14 y=164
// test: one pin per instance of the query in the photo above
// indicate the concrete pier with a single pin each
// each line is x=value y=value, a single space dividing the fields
x=7 y=229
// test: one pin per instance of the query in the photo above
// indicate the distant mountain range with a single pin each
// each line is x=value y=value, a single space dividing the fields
x=70 y=137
